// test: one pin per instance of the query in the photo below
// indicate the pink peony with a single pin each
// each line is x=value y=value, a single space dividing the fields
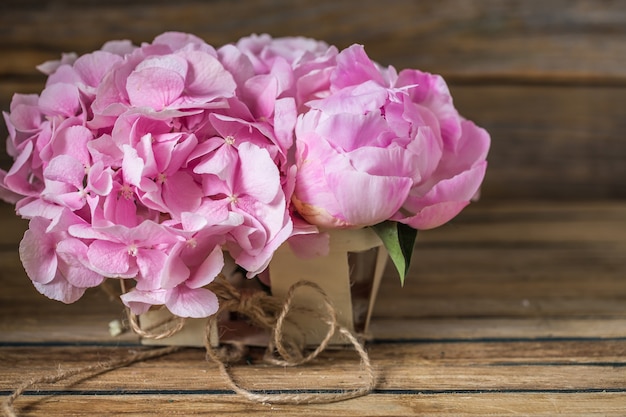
x=394 y=137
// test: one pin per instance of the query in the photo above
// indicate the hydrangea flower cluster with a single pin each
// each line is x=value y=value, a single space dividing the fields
x=147 y=162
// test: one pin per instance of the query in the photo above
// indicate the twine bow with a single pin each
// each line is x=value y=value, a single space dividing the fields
x=270 y=313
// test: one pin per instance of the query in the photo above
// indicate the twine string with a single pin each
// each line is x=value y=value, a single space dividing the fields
x=265 y=312
x=290 y=353
x=97 y=368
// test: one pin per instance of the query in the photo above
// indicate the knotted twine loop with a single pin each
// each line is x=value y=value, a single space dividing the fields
x=263 y=311
x=271 y=314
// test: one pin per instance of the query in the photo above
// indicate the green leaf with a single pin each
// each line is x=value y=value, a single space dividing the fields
x=399 y=240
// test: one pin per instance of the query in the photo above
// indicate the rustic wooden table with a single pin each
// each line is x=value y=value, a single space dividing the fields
x=512 y=309
x=517 y=307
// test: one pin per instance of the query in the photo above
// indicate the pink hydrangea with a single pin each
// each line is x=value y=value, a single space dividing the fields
x=146 y=163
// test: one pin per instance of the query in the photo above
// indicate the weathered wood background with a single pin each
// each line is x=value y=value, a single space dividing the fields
x=518 y=307
x=546 y=78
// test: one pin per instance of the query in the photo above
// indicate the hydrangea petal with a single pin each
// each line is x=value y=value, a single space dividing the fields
x=140 y=302
x=37 y=252
x=192 y=302
x=60 y=290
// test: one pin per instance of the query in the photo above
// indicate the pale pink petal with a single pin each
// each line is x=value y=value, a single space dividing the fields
x=60 y=290
x=60 y=99
x=16 y=179
x=355 y=67
x=179 y=40
x=192 y=302
x=447 y=198
x=175 y=271
x=261 y=92
x=206 y=77
x=258 y=175
x=73 y=142
x=29 y=208
x=156 y=87
x=384 y=196
x=285 y=115
x=435 y=215
x=208 y=270
x=181 y=193
x=352 y=131
x=66 y=169
x=37 y=252
x=94 y=66
x=109 y=257
x=140 y=302
x=132 y=166
x=73 y=252
x=151 y=263
x=359 y=99
x=99 y=180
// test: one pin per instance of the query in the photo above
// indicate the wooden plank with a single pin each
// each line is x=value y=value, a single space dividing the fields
x=496 y=328
x=544 y=78
x=550 y=142
x=445 y=404
x=534 y=40
x=538 y=366
x=505 y=270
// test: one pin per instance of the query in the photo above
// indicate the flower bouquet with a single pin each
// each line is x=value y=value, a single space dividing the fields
x=157 y=164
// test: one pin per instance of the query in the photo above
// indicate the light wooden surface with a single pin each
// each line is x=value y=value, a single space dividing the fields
x=526 y=317
x=517 y=307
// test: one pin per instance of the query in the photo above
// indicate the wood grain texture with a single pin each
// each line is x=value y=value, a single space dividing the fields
x=397 y=405
x=517 y=307
x=501 y=314
x=545 y=78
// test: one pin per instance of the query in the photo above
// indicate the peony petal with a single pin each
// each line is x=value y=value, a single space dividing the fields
x=435 y=215
x=355 y=67
x=385 y=196
x=353 y=131
x=359 y=99
x=447 y=198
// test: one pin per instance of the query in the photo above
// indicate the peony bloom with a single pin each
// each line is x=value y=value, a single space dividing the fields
x=382 y=147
